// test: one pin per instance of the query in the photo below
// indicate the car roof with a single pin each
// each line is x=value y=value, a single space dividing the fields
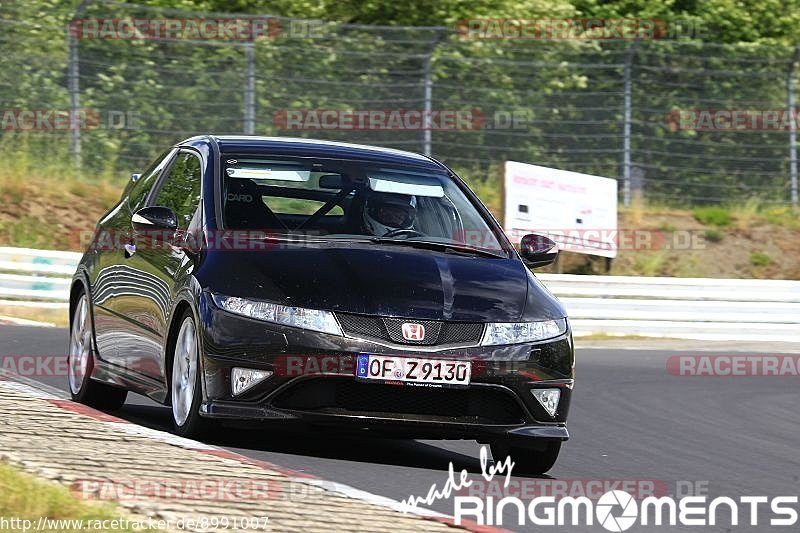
x=292 y=146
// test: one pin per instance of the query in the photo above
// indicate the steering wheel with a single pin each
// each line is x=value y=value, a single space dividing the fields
x=401 y=231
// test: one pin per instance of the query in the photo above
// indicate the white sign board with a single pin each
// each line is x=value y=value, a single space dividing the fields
x=578 y=211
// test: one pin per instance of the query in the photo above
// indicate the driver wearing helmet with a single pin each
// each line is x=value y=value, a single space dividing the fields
x=388 y=212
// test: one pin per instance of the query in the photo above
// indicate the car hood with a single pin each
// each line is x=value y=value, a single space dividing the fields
x=383 y=280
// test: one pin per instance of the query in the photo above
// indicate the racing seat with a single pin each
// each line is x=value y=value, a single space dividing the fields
x=245 y=209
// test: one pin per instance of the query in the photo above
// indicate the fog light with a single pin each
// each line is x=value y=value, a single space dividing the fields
x=548 y=398
x=243 y=379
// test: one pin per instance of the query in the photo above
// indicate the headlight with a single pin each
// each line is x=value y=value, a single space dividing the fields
x=297 y=317
x=517 y=332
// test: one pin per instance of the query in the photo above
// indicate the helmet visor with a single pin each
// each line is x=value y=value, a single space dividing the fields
x=394 y=214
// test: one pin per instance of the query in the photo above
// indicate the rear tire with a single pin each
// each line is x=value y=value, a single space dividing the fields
x=186 y=392
x=528 y=461
x=80 y=364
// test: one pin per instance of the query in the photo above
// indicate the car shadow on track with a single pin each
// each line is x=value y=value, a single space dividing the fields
x=384 y=451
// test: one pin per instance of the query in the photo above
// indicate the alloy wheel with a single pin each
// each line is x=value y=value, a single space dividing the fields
x=184 y=372
x=80 y=346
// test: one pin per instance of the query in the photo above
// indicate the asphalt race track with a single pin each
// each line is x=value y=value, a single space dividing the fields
x=630 y=420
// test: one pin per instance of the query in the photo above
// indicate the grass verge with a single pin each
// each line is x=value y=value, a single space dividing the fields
x=40 y=211
x=58 y=317
x=24 y=497
x=620 y=337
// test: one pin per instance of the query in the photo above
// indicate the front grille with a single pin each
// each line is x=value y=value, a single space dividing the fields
x=453 y=332
x=474 y=405
x=394 y=327
x=390 y=329
x=361 y=325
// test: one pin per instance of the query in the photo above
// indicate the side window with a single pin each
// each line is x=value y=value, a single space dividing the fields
x=146 y=181
x=180 y=190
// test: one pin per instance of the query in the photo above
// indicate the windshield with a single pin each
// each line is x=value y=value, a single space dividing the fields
x=335 y=199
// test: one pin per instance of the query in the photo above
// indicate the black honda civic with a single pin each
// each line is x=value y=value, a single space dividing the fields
x=334 y=286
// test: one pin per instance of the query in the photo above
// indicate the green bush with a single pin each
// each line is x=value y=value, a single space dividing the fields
x=712 y=216
x=28 y=232
x=667 y=227
x=713 y=235
x=759 y=259
x=782 y=216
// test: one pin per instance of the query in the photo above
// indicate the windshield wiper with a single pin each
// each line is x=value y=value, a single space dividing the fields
x=447 y=247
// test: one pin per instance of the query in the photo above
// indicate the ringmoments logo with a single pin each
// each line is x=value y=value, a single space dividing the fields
x=612 y=500
x=615 y=510
x=618 y=510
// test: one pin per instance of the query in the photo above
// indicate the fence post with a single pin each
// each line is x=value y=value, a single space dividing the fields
x=792 y=126
x=626 y=127
x=73 y=86
x=250 y=89
x=427 y=83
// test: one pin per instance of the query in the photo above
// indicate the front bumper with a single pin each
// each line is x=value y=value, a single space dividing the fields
x=313 y=383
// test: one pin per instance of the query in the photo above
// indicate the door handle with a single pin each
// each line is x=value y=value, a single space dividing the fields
x=130 y=249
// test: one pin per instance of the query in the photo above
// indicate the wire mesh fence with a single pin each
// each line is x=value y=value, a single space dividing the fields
x=106 y=88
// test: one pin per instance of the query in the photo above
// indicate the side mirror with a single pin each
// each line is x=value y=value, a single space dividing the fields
x=537 y=250
x=135 y=177
x=154 y=218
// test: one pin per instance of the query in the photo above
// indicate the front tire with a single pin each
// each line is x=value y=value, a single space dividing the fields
x=80 y=363
x=186 y=391
x=528 y=461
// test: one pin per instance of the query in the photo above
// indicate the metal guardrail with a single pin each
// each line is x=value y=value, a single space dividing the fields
x=687 y=308
x=684 y=308
x=30 y=276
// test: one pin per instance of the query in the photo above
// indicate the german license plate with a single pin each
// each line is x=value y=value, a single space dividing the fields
x=413 y=370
